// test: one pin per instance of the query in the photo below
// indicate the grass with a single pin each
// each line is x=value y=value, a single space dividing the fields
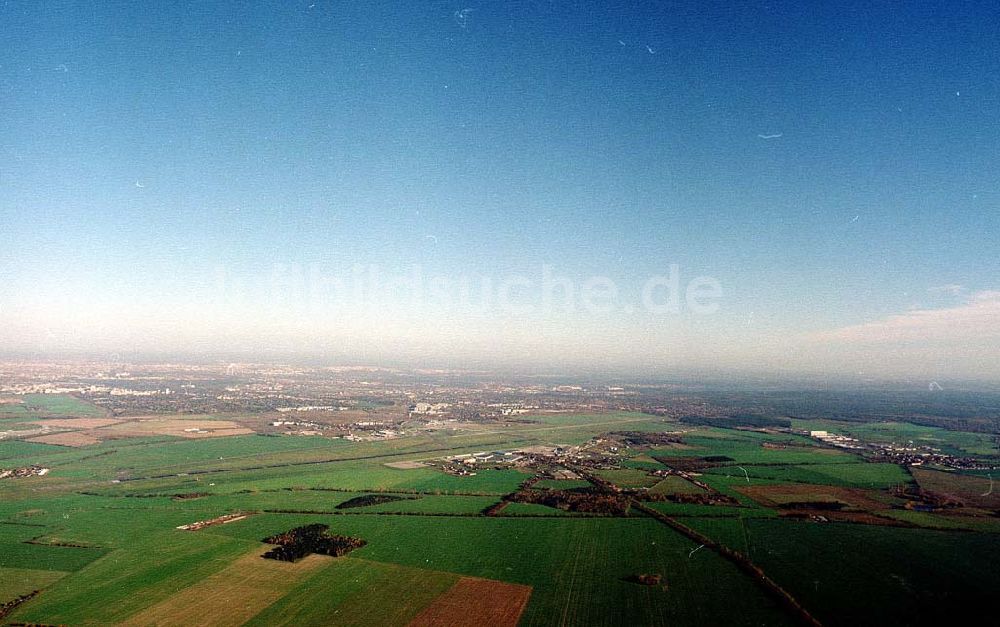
x=642 y=462
x=576 y=565
x=39 y=557
x=578 y=428
x=745 y=447
x=628 y=478
x=59 y=405
x=860 y=475
x=688 y=509
x=675 y=485
x=19 y=452
x=12 y=533
x=158 y=456
x=125 y=581
x=433 y=505
x=533 y=509
x=954 y=442
x=353 y=591
x=902 y=575
x=359 y=476
x=232 y=595
x=938 y=521
x=562 y=484
x=15 y=582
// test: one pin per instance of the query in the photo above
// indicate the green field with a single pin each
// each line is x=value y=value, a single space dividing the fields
x=745 y=447
x=674 y=485
x=902 y=576
x=342 y=590
x=49 y=406
x=861 y=475
x=562 y=484
x=129 y=579
x=15 y=582
x=114 y=507
x=576 y=565
x=41 y=557
x=628 y=478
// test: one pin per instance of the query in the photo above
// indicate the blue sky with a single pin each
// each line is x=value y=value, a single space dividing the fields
x=830 y=166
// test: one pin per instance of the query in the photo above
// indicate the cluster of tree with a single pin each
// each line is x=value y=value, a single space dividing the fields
x=698 y=498
x=830 y=506
x=68 y=545
x=737 y=420
x=10 y=606
x=496 y=508
x=917 y=498
x=371 y=499
x=977 y=411
x=301 y=541
x=584 y=501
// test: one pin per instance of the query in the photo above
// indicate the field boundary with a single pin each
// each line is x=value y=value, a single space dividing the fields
x=741 y=561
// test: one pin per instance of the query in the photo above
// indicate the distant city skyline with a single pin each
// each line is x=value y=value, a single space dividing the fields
x=208 y=179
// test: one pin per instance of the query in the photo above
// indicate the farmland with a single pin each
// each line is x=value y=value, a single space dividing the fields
x=903 y=576
x=101 y=536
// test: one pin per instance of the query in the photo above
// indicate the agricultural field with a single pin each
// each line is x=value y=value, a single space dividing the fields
x=902 y=576
x=50 y=406
x=562 y=484
x=104 y=537
x=967 y=490
x=628 y=478
x=859 y=475
x=744 y=447
x=675 y=485
x=15 y=582
x=341 y=593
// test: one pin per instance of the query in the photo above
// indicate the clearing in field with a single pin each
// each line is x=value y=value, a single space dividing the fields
x=69 y=438
x=474 y=601
x=407 y=465
x=77 y=423
x=233 y=595
x=179 y=427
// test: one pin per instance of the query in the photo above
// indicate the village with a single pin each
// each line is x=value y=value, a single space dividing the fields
x=908 y=454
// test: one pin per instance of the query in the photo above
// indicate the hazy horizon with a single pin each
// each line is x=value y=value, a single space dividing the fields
x=761 y=189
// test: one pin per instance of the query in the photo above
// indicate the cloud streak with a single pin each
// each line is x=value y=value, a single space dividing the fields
x=978 y=318
x=952 y=288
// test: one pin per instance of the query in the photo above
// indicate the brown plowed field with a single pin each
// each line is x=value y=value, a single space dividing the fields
x=176 y=427
x=69 y=438
x=78 y=423
x=779 y=495
x=232 y=596
x=473 y=601
x=973 y=491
